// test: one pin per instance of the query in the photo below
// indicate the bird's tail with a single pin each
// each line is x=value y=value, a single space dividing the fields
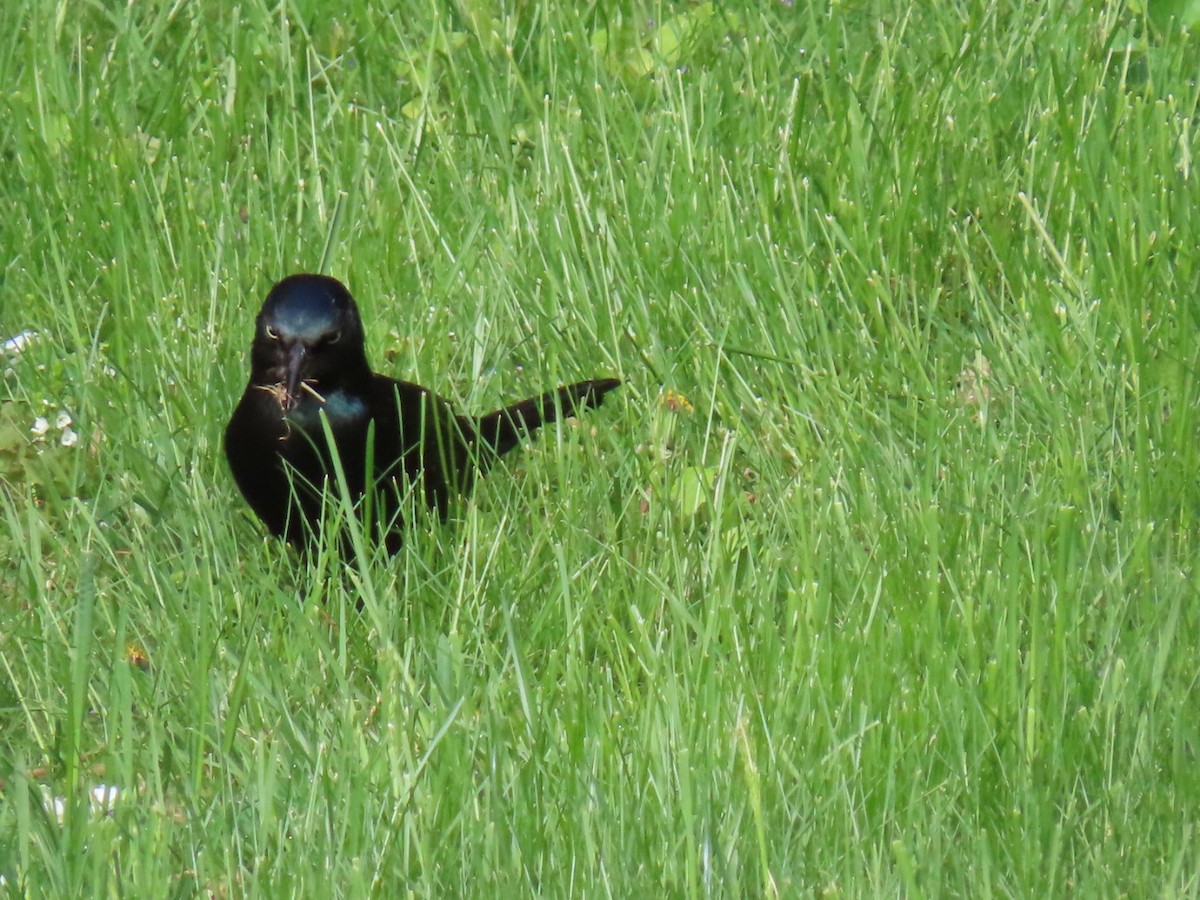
x=503 y=429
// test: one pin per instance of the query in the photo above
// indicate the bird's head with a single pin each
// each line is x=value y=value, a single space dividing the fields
x=308 y=340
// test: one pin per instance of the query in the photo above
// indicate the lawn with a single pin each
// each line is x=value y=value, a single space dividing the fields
x=876 y=577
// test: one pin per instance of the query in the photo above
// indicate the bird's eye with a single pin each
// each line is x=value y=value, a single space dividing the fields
x=334 y=338
x=272 y=333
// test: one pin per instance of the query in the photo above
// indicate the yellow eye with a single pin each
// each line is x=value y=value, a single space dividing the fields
x=272 y=333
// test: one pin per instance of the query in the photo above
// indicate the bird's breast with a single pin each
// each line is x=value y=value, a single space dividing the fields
x=342 y=409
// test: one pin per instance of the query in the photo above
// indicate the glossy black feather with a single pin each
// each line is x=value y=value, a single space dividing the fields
x=307 y=362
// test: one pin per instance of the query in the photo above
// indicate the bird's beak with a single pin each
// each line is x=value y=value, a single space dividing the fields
x=295 y=368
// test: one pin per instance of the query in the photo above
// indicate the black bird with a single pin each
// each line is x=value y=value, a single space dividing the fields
x=308 y=362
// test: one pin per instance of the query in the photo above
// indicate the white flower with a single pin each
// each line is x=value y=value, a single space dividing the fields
x=69 y=438
x=40 y=427
x=17 y=343
x=104 y=797
x=55 y=805
x=63 y=420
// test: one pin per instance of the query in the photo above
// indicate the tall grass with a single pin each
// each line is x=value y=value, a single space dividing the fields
x=877 y=577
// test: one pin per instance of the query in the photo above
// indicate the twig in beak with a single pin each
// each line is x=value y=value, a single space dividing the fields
x=305 y=386
x=275 y=390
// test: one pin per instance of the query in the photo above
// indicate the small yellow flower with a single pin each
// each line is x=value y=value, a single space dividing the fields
x=135 y=655
x=675 y=402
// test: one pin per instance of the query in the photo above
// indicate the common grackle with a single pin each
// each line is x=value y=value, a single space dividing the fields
x=308 y=362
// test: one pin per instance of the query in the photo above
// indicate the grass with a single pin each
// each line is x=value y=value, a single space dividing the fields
x=878 y=576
